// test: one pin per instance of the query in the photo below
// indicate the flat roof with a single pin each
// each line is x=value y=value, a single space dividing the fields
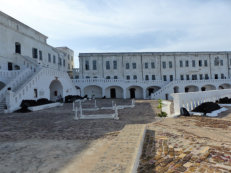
x=15 y=20
x=152 y=53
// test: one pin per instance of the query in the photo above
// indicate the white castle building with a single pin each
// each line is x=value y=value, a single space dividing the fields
x=29 y=67
x=152 y=75
x=32 y=69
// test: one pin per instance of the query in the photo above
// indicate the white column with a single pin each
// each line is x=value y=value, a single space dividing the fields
x=124 y=93
x=144 y=93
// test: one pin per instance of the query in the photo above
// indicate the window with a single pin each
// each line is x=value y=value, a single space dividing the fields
x=114 y=65
x=181 y=63
x=87 y=77
x=127 y=65
x=17 y=48
x=170 y=64
x=115 y=77
x=216 y=61
x=152 y=64
x=171 y=77
x=68 y=56
x=34 y=53
x=77 y=77
x=216 y=76
x=134 y=77
x=60 y=61
x=146 y=77
x=205 y=63
x=187 y=77
x=200 y=63
x=134 y=65
x=87 y=65
x=40 y=55
x=221 y=62
x=186 y=63
x=222 y=76
x=49 y=57
x=153 y=77
x=201 y=76
x=128 y=77
x=206 y=76
x=64 y=63
x=69 y=66
x=108 y=77
x=164 y=64
x=54 y=59
x=194 y=77
x=108 y=65
x=95 y=77
x=181 y=77
x=165 y=78
x=193 y=63
x=94 y=67
x=146 y=65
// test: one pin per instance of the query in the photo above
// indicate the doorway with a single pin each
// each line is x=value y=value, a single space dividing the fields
x=10 y=66
x=132 y=93
x=113 y=93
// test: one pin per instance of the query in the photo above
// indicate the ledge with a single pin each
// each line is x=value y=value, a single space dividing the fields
x=46 y=106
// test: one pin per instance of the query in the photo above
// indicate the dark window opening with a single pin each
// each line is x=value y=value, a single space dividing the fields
x=17 y=48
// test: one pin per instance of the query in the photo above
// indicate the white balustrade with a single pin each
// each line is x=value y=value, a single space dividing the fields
x=192 y=99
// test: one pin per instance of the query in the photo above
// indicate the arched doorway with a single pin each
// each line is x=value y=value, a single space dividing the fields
x=151 y=89
x=208 y=87
x=191 y=88
x=56 y=90
x=225 y=86
x=135 y=92
x=93 y=91
x=2 y=85
x=176 y=89
x=114 y=92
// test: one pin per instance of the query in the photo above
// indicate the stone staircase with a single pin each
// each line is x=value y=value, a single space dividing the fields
x=160 y=94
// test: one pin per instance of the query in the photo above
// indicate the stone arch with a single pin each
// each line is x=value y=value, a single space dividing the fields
x=114 y=92
x=176 y=89
x=134 y=92
x=191 y=88
x=224 y=86
x=151 y=89
x=93 y=91
x=2 y=85
x=208 y=87
x=56 y=90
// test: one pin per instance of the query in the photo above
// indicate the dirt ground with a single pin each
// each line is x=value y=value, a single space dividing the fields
x=46 y=141
x=50 y=140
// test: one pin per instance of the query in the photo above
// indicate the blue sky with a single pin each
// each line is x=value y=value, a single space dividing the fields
x=128 y=25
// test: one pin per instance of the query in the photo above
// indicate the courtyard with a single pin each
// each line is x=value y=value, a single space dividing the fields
x=51 y=141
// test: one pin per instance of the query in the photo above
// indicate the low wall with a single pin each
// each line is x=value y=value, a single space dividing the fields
x=193 y=99
x=46 y=106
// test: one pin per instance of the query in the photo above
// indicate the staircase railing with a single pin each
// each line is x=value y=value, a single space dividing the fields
x=15 y=82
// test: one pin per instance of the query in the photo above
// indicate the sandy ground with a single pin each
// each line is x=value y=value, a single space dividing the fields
x=49 y=140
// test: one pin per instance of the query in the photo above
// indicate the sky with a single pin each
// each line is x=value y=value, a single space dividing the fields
x=128 y=25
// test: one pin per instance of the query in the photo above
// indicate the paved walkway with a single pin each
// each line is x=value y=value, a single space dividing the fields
x=120 y=154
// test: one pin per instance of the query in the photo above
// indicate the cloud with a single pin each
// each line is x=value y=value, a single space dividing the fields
x=128 y=25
